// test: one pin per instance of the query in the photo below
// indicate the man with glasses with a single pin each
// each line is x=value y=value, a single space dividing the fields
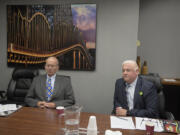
x=50 y=90
x=133 y=95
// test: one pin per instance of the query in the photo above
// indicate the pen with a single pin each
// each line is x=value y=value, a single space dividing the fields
x=142 y=121
x=122 y=118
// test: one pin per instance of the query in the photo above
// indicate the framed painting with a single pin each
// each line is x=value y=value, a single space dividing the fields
x=66 y=31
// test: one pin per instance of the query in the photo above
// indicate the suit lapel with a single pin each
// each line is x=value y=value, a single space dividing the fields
x=137 y=90
x=56 y=87
x=124 y=96
x=44 y=90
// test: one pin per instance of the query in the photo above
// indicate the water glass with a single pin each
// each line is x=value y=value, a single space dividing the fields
x=72 y=119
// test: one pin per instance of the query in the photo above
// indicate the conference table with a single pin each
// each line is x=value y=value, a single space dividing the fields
x=36 y=121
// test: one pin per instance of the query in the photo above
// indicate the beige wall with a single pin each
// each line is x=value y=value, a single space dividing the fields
x=159 y=32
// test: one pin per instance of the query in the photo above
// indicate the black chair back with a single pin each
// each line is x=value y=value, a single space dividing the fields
x=156 y=80
x=20 y=84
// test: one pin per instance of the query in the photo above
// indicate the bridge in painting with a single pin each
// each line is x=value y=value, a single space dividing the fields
x=32 y=38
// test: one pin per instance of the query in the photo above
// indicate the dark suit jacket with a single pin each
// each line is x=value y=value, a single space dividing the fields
x=145 y=98
x=62 y=94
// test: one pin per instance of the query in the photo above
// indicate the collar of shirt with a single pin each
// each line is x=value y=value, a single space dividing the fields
x=133 y=84
x=51 y=77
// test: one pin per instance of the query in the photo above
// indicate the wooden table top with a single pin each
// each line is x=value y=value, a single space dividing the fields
x=170 y=81
x=35 y=121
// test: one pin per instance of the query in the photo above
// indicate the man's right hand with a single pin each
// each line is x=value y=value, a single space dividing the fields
x=41 y=104
x=121 y=112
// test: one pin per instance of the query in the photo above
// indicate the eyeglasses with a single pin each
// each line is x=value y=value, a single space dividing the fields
x=51 y=66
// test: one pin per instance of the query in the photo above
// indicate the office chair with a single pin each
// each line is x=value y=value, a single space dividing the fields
x=18 y=86
x=155 y=78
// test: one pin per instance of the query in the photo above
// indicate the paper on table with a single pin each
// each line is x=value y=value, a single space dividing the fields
x=110 y=132
x=140 y=124
x=8 y=107
x=122 y=122
x=170 y=80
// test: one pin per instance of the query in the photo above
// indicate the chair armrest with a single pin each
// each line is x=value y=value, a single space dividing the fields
x=2 y=92
x=168 y=116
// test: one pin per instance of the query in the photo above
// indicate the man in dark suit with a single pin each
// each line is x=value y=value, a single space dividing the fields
x=133 y=95
x=50 y=90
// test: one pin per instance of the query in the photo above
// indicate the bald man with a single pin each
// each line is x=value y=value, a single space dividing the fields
x=133 y=95
x=50 y=90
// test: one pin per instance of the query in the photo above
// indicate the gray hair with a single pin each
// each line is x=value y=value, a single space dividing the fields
x=131 y=62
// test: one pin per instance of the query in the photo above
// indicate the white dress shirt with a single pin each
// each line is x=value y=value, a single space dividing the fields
x=130 y=89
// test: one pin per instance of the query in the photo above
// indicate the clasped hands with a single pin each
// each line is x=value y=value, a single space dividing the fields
x=43 y=104
x=121 y=112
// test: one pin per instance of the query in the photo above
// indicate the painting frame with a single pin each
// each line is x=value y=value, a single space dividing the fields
x=66 y=31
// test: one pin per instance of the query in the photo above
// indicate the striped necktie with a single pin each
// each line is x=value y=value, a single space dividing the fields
x=129 y=96
x=49 y=89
